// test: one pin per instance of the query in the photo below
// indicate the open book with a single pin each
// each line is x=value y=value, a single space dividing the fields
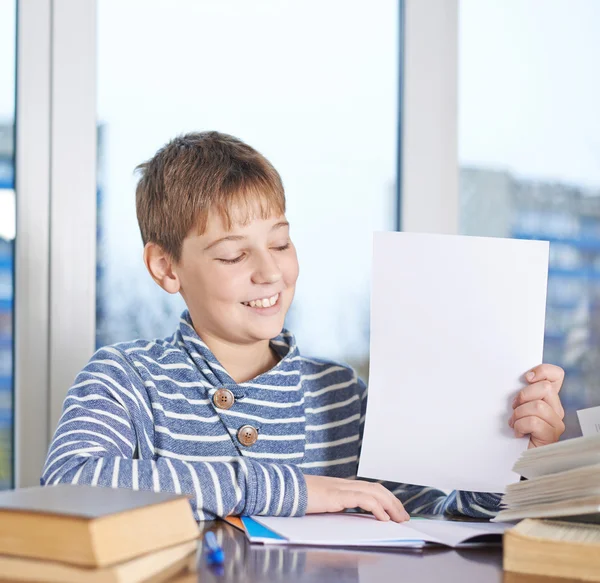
x=363 y=530
x=563 y=481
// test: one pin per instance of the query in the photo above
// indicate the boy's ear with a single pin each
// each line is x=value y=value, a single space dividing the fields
x=160 y=266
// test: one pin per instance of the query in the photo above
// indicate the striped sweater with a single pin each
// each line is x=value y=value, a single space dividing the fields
x=141 y=415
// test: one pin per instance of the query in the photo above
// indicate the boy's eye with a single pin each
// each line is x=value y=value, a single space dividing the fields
x=238 y=259
x=231 y=261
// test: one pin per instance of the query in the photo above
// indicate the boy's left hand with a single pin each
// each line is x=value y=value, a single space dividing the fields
x=538 y=411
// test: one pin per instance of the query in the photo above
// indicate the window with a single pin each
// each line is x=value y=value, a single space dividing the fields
x=7 y=234
x=311 y=85
x=529 y=160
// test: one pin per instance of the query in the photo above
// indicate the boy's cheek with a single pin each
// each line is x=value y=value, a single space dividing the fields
x=288 y=299
x=292 y=271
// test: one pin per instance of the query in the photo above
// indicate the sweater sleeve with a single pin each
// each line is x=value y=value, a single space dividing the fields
x=425 y=500
x=97 y=443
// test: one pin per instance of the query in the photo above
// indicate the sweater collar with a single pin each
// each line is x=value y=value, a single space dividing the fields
x=284 y=344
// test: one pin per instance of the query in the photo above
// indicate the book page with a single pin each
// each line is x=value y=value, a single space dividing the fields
x=455 y=324
x=339 y=529
x=589 y=421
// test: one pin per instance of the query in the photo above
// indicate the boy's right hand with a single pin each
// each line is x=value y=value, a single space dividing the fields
x=336 y=494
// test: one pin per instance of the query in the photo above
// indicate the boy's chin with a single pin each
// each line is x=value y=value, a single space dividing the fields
x=266 y=331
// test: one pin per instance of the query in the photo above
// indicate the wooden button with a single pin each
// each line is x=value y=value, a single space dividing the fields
x=247 y=435
x=223 y=399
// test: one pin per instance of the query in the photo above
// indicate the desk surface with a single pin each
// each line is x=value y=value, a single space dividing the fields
x=247 y=563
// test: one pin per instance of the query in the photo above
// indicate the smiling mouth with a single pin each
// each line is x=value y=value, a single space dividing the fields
x=262 y=303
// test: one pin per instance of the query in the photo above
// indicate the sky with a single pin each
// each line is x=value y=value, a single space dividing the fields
x=313 y=86
x=529 y=87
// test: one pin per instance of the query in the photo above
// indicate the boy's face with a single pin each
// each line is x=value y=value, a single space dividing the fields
x=238 y=284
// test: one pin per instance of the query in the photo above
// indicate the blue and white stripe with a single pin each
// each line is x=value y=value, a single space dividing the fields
x=140 y=415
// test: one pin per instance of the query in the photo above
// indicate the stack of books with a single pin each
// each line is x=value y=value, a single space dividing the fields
x=85 y=534
x=560 y=504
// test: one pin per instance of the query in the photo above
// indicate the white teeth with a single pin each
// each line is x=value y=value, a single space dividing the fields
x=264 y=303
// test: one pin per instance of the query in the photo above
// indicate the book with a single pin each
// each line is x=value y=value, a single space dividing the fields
x=92 y=526
x=364 y=530
x=235 y=521
x=553 y=548
x=570 y=454
x=150 y=568
x=563 y=480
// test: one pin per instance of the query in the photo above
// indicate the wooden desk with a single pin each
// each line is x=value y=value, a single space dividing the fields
x=245 y=563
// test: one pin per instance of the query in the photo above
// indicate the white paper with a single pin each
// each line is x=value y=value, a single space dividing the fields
x=589 y=421
x=365 y=530
x=455 y=324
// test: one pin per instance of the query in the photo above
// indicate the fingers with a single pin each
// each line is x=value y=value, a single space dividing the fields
x=539 y=409
x=357 y=499
x=326 y=494
x=392 y=505
x=538 y=420
x=542 y=390
x=549 y=372
x=378 y=499
x=540 y=432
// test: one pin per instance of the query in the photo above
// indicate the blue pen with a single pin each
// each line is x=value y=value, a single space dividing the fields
x=214 y=553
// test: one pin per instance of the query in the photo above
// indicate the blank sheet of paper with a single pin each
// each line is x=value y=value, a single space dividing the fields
x=455 y=324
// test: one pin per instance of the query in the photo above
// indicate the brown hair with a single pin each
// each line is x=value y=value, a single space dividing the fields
x=196 y=173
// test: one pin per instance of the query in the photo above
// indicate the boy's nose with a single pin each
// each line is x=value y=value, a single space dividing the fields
x=266 y=276
x=267 y=270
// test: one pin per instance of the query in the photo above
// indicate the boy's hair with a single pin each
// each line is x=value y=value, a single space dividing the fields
x=196 y=173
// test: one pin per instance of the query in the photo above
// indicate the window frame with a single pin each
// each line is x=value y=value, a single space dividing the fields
x=55 y=183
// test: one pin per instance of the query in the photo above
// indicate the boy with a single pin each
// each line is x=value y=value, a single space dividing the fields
x=227 y=409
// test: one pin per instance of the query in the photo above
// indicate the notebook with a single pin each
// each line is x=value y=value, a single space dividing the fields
x=363 y=530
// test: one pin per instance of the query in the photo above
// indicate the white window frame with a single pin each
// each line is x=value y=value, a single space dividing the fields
x=429 y=177
x=55 y=267
x=32 y=187
x=56 y=189
x=72 y=196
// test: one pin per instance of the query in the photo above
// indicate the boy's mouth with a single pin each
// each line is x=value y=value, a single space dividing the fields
x=262 y=303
